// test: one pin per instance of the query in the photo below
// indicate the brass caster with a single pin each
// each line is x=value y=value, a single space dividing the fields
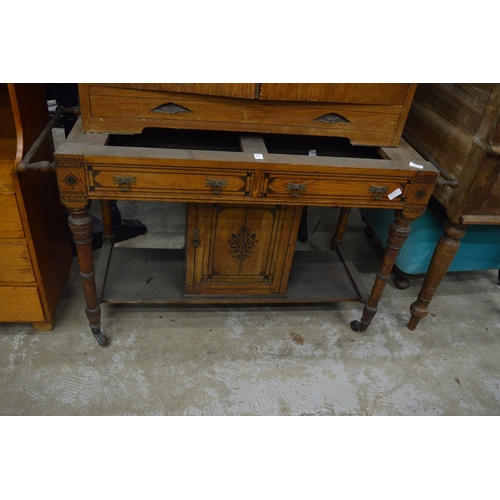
x=102 y=340
x=358 y=326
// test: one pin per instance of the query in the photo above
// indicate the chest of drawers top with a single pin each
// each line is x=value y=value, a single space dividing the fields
x=371 y=114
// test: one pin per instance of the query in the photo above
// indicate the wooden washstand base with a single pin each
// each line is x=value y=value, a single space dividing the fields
x=90 y=167
x=115 y=283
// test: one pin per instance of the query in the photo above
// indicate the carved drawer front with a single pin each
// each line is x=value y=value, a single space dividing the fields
x=326 y=189
x=16 y=263
x=235 y=249
x=118 y=110
x=20 y=304
x=155 y=183
x=11 y=222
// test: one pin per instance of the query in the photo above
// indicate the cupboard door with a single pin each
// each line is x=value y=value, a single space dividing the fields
x=240 y=249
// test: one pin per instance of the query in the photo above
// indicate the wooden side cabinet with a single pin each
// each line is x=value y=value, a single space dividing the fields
x=457 y=128
x=35 y=251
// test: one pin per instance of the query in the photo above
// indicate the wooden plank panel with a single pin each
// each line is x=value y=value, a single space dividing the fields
x=437 y=140
x=459 y=104
x=490 y=197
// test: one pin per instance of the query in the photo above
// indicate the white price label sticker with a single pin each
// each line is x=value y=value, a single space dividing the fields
x=416 y=165
x=394 y=194
x=258 y=156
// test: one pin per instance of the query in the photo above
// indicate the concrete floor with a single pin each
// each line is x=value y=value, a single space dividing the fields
x=244 y=361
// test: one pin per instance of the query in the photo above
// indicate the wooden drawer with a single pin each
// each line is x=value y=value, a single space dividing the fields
x=168 y=184
x=20 y=304
x=375 y=118
x=16 y=263
x=326 y=189
x=11 y=226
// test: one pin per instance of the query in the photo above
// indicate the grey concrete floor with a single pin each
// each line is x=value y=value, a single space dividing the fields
x=244 y=361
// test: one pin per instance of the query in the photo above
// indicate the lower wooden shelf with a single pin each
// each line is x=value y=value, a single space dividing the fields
x=157 y=276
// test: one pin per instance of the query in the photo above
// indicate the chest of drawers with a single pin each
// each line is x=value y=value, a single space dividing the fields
x=370 y=114
x=35 y=253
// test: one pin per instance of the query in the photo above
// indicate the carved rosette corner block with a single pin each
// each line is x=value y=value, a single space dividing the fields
x=71 y=178
x=331 y=118
x=419 y=192
x=170 y=108
x=413 y=211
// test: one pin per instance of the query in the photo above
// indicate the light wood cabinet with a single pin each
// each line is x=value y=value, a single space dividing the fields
x=35 y=252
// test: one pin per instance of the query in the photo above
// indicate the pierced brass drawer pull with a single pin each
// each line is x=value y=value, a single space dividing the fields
x=296 y=189
x=171 y=108
x=124 y=183
x=378 y=191
x=216 y=185
x=332 y=118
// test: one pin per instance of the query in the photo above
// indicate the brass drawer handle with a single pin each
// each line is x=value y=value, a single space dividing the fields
x=295 y=189
x=171 y=108
x=378 y=191
x=332 y=118
x=216 y=185
x=124 y=183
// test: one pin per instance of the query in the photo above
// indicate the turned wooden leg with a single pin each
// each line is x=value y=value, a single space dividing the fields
x=80 y=224
x=402 y=280
x=341 y=225
x=107 y=220
x=302 y=236
x=441 y=259
x=398 y=233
